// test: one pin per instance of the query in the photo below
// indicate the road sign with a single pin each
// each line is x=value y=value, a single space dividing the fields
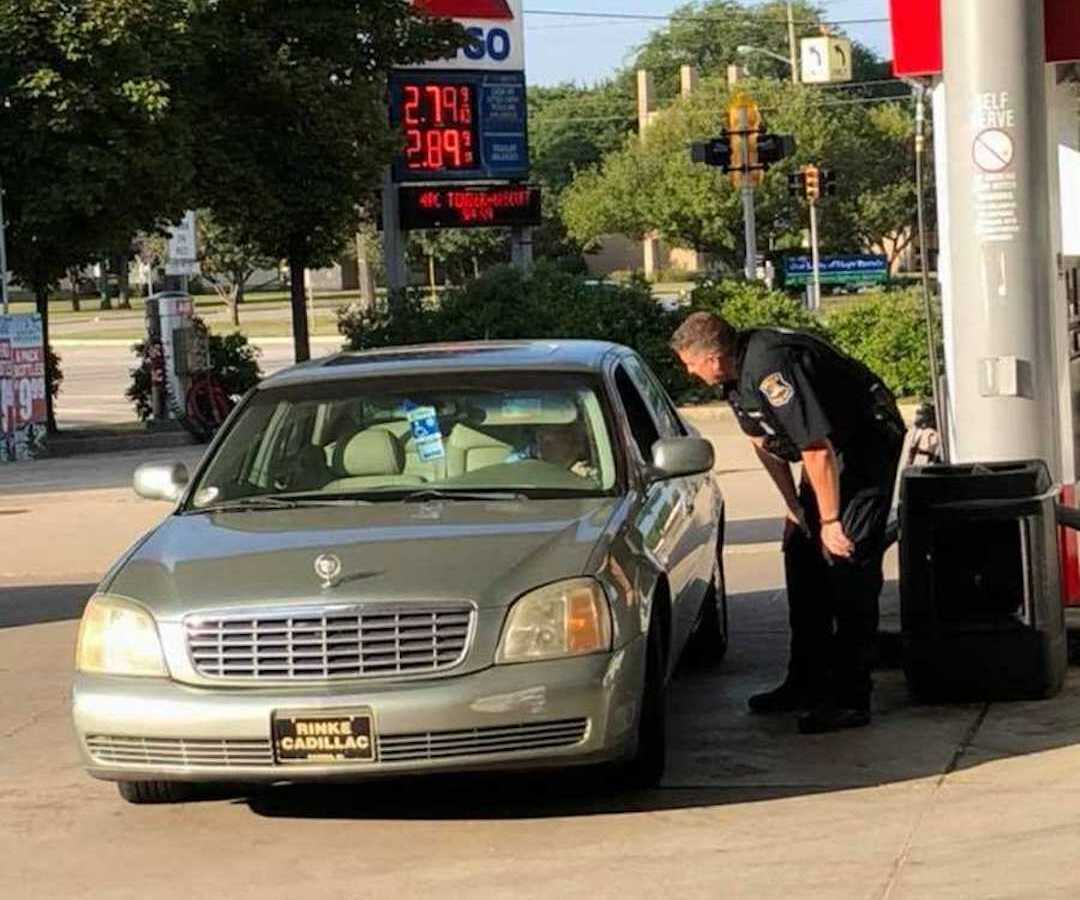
x=182 y=255
x=826 y=60
x=853 y=269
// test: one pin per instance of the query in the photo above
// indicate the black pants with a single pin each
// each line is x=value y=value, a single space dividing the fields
x=833 y=607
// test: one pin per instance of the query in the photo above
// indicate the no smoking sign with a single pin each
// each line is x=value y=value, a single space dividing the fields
x=994 y=150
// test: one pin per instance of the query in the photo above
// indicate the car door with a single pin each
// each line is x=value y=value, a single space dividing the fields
x=698 y=541
x=665 y=520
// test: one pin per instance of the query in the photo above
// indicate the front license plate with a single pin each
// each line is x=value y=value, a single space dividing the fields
x=325 y=737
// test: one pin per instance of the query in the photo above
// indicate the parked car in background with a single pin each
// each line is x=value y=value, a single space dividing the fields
x=450 y=557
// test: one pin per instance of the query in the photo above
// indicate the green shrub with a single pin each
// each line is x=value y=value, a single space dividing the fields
x=887 y=332
x=509 y=304
x=747 y=305
x=233 y=361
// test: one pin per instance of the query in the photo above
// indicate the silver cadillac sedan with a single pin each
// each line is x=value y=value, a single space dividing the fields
x=437 y=558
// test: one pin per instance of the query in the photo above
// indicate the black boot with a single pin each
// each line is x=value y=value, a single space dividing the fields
x=791 y=696
x=830 y=717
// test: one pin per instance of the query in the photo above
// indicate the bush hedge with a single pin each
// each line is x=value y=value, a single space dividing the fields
x=887 y=331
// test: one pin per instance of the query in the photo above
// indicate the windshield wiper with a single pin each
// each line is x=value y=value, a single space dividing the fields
x=283 y=501
x=428 y=494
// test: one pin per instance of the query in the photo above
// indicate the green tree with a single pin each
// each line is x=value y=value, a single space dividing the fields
x=652 y=186
x=291 y=119
x=93 y=136
x=227 y=260
x=707 y=35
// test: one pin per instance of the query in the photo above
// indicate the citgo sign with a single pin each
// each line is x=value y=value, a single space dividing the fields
x=496 y=28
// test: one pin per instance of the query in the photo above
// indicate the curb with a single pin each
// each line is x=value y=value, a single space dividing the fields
x=61 y=343
x=62 y=447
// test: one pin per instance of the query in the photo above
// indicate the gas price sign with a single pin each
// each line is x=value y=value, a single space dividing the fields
x=470 y=207
x=459 y=126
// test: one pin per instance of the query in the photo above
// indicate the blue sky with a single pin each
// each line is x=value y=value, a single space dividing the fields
x=562 y=49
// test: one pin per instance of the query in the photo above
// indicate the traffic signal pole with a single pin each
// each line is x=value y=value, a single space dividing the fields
x=750 y=226
x=816 y=256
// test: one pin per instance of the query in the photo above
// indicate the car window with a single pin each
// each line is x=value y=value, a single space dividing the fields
x=667 y=420
x=641 y=423
x=496 y=431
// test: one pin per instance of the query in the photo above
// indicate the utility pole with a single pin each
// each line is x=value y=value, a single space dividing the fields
x=792 y=48
x=3 y=252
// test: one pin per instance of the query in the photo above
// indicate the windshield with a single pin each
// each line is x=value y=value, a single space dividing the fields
x=391 y=439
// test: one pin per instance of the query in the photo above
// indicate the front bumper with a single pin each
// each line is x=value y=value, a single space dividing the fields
x=523 y=716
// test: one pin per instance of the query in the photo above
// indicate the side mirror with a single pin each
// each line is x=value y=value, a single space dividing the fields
x=681 y=457
x=161 y=481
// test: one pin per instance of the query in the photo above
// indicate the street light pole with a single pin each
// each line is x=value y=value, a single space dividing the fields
x=3 y=253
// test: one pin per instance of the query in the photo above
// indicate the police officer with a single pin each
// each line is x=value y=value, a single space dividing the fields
x=802 y=401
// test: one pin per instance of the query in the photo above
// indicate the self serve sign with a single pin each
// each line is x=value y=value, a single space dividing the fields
x=497 y=32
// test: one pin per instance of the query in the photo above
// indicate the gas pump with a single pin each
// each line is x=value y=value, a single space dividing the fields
x=170 y=325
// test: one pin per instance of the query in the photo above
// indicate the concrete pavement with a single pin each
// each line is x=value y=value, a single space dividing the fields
x=932 y=802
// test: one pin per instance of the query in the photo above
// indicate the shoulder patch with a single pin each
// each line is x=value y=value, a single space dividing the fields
x=776 y=390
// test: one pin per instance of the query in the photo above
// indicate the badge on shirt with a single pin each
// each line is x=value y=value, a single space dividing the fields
x=776 y=390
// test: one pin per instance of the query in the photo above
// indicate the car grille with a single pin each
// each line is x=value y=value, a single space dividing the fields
x=307 y=645
x=480 y=741
x=184 y=752
x=192 y=753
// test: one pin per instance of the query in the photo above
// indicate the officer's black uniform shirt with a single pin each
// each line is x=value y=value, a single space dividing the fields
x=796 y=391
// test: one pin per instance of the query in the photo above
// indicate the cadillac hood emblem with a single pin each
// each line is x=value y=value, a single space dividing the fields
x=328 y=568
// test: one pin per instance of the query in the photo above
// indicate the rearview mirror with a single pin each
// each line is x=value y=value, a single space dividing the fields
x=681 y=457
x=161 y=481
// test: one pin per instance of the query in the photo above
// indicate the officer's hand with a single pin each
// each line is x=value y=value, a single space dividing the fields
x=836 y=543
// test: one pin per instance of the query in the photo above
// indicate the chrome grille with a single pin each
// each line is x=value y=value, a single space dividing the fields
x=194 y=753
x=481 y=741
x=330 y=644
x=184 y=752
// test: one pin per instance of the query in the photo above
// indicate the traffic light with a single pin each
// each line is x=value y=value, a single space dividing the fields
x=812 y=179
x=716 y=153
x=773 y=148
x=828 y=182
x=796 y=184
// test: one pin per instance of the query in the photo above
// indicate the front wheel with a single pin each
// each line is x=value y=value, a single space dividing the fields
x=646 y=767
x=708 y=643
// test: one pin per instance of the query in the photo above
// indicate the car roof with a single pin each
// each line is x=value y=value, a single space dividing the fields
x=473 y=356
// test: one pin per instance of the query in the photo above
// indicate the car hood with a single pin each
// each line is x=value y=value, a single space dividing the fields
x=486 y=552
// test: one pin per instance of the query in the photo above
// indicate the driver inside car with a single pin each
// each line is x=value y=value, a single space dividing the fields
x=561 y=445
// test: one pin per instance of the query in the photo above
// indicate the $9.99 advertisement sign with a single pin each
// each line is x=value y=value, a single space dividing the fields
x=22 y=387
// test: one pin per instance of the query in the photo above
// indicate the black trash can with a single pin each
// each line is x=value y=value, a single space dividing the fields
x=980 y=583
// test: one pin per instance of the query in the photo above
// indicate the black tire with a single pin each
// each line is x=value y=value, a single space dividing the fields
x=646 y=767
x=708 y=643
x=150 y=792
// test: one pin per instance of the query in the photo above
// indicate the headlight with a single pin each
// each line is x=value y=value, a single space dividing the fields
x=569 y=618
x=118 y=637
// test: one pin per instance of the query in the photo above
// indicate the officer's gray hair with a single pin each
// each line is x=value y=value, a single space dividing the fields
x=705 y=332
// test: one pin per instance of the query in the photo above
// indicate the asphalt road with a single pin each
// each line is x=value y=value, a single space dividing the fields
x=96 y=374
